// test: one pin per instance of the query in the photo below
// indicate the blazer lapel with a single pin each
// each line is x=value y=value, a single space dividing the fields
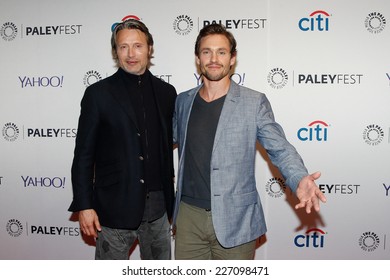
x=230 y=104
x=120 y=93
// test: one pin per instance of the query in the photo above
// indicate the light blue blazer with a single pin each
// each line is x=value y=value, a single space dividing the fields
x=246 y=117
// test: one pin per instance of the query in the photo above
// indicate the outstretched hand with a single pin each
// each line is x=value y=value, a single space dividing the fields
x=309 y=194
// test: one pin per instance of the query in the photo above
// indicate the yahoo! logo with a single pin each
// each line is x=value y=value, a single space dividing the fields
x=316 y=131
x=239 y=78
x=313 y=238
x=52 y=81
x=387 y=188
x=48 y=182
x=317 y=21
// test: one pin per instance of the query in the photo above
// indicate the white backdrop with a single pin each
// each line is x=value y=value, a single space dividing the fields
x=324 y=65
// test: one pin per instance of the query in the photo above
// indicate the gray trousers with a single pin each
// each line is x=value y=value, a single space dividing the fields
x=154 y=241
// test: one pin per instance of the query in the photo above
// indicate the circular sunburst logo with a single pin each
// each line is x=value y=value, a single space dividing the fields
x=14 y=228
x=277 y=78
x=10 y=132
x=8 y=31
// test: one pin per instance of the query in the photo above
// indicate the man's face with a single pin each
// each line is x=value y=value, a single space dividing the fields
x=133 y=51
x=214 y=58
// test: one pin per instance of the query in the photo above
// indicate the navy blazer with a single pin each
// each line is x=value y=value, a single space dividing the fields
x=107 y=169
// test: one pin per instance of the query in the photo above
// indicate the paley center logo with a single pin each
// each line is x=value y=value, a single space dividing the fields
x=315 y=131
x=275 y=187
x=373 y=134
x=15 y=229
x=369 y=241
x=375 y=22
x=91 y=77
x=277 y=78
x=8 y=31
x=317 y=21
x=183 y=25
x=10 y=131
x=313 y=238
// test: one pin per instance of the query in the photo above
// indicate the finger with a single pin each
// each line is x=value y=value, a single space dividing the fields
x=97 y=225
x=300 y=205
x=91 y=231
x=316 y=205
x=321 y=196
x=309 y=205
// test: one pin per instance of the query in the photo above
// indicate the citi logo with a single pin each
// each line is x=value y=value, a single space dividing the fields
x=316 y=131
x=313 y=238
x=113 y=26
x=317 y=21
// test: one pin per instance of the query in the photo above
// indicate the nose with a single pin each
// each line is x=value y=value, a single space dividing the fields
x=213 y=56
x=131 y=52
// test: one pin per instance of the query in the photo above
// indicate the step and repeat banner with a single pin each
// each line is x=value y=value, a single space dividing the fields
x=324 y=65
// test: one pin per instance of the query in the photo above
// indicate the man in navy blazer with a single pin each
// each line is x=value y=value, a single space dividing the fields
x=218 y=212
x=122 y=171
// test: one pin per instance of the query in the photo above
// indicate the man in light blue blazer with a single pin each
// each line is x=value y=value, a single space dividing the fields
x=218 y=213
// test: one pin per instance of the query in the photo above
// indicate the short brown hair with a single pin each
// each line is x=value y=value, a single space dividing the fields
x=215 y=28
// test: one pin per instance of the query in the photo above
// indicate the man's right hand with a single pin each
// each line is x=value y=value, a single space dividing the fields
x=89 y=222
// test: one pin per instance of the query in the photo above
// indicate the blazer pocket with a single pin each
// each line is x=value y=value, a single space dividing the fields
x=107 y=175
x=245 y=199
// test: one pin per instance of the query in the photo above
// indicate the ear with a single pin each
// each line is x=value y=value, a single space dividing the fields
x=197 y=60
x=233 y=59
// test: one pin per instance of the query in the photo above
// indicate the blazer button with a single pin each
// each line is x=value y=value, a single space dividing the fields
x=138 y=134
x=142 y=181
x=141 y=158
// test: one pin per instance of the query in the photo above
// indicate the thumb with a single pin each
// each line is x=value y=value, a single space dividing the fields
x=316 y=175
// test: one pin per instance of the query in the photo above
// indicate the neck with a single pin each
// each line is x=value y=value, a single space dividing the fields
x=212 y=90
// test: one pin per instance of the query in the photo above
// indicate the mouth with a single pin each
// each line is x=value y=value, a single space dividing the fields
x=214 y=66
x=131 y=62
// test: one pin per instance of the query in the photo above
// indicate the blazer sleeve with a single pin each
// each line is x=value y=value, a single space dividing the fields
x=282 y=154
x=82 y=170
